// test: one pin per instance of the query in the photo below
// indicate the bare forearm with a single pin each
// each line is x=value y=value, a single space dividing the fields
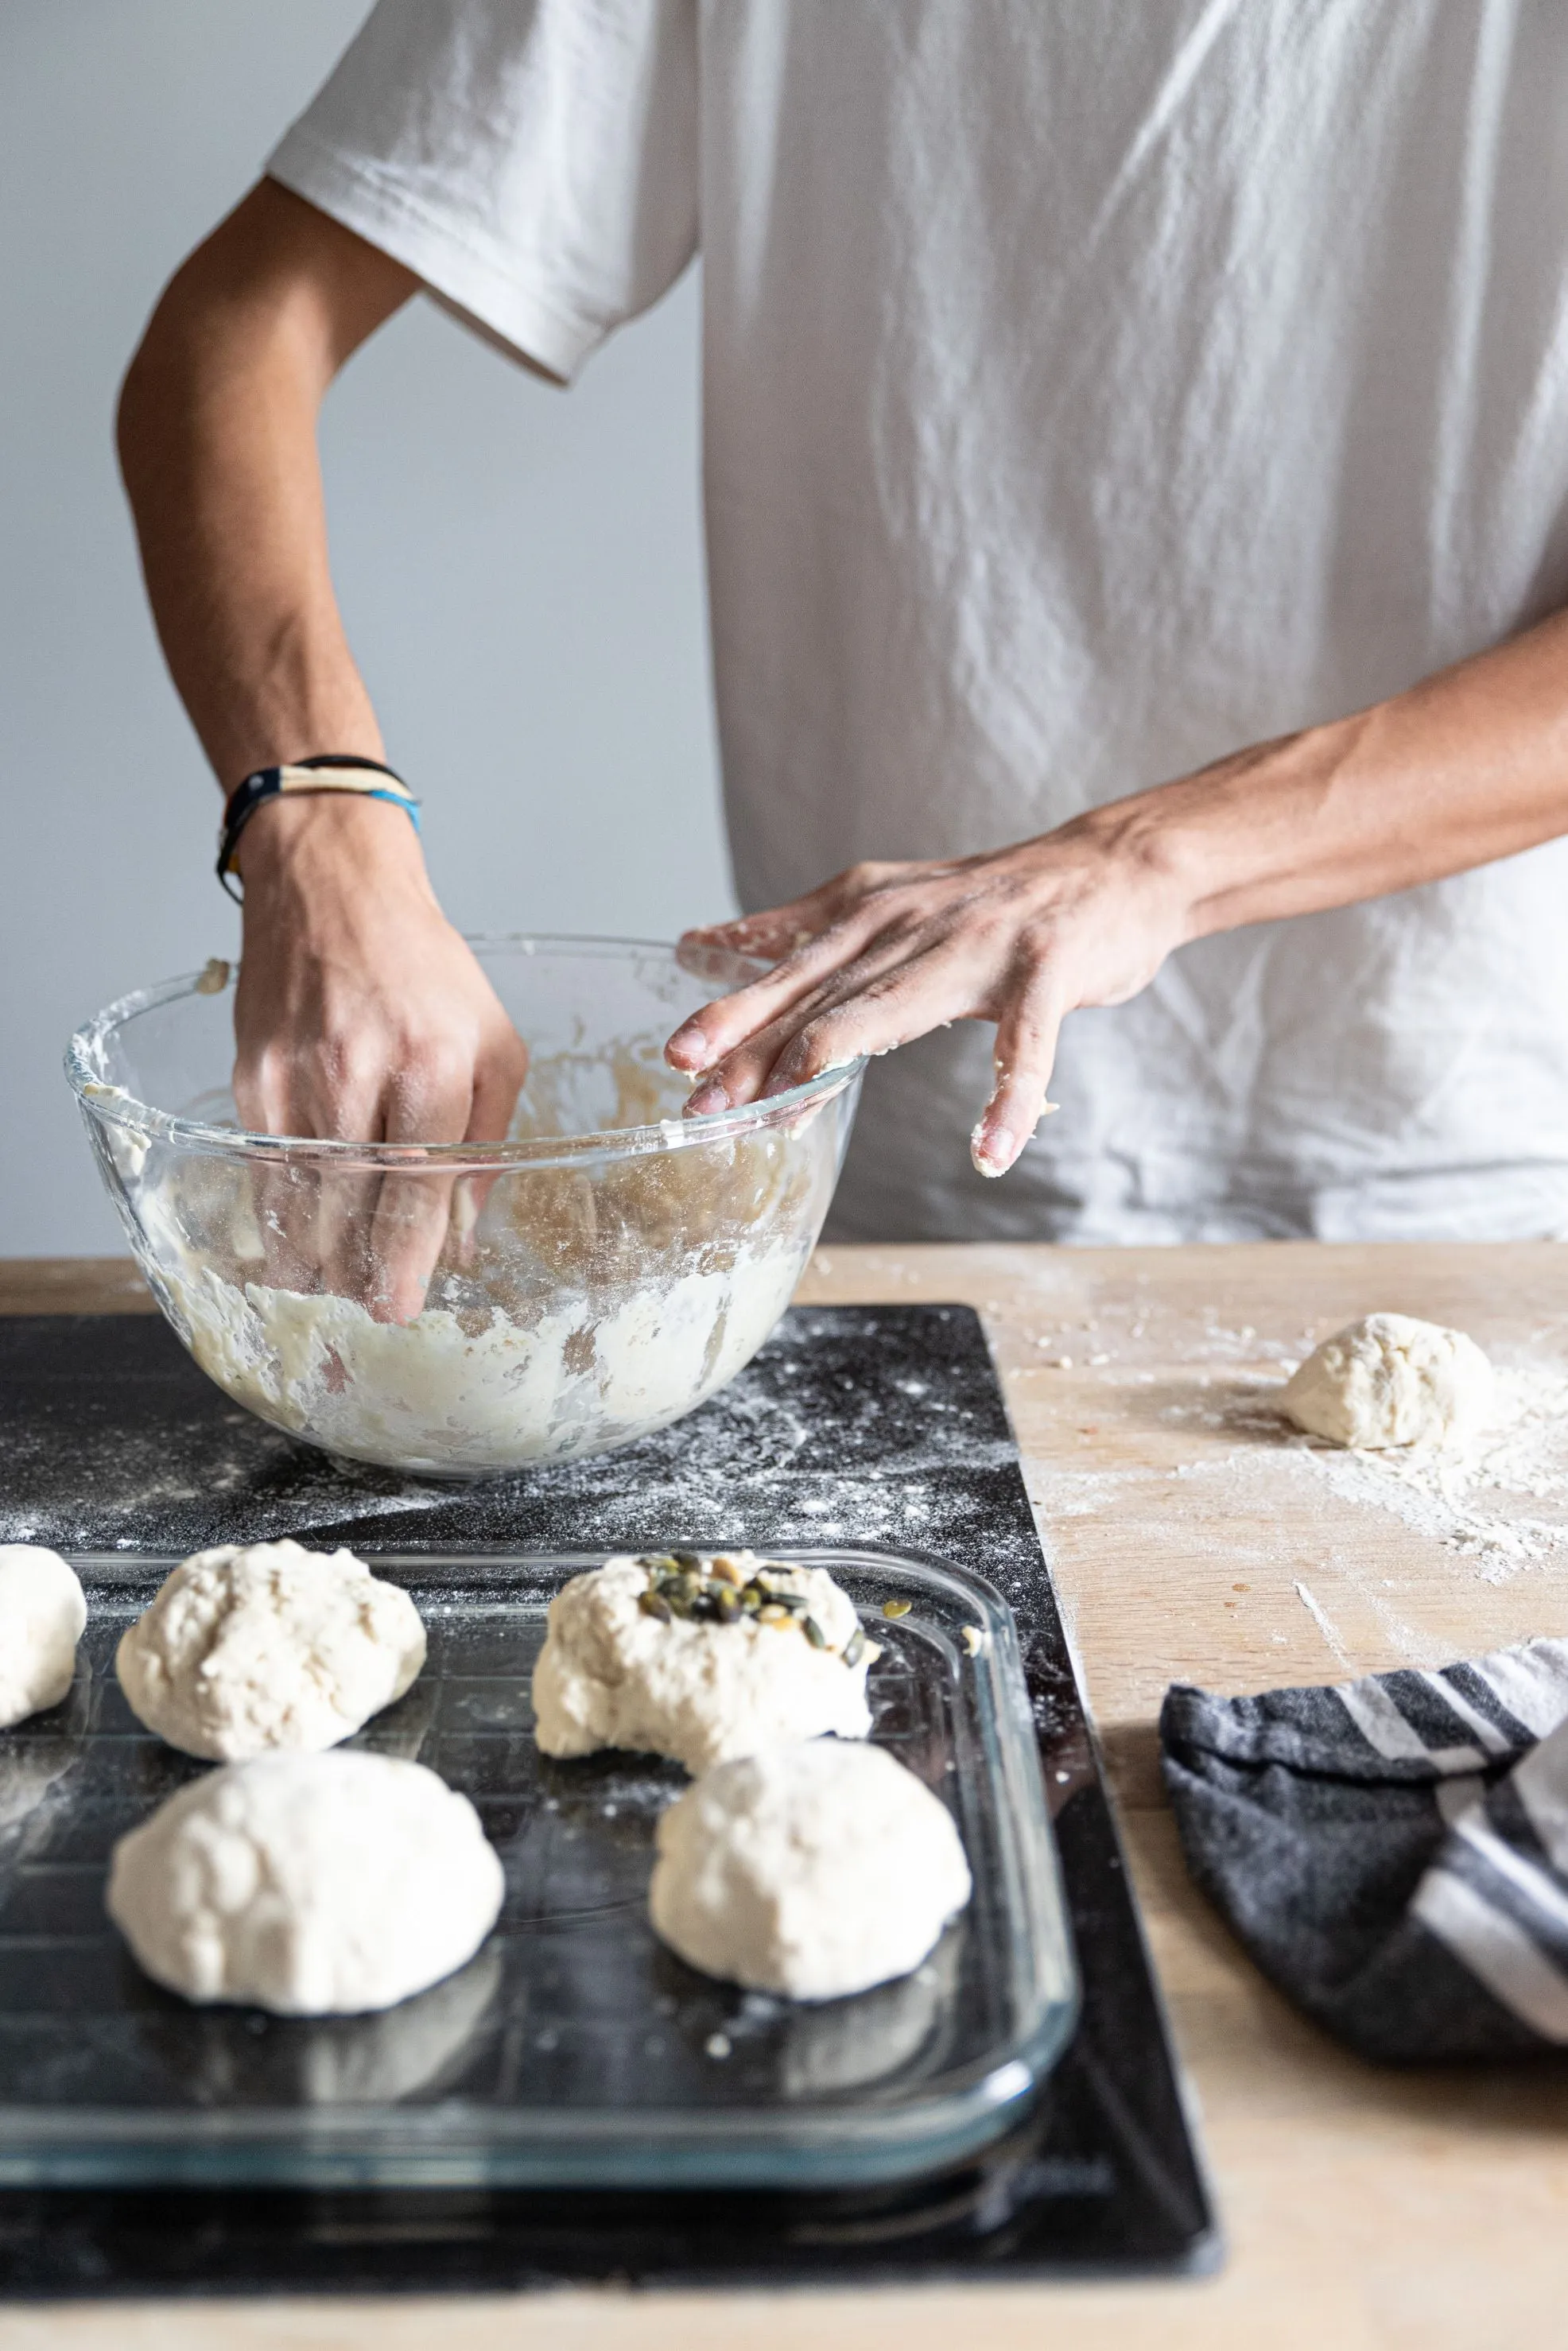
x=217 y=440
x=1468 y=766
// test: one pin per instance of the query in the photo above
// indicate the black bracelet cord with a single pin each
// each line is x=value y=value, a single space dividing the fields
x=329 y=771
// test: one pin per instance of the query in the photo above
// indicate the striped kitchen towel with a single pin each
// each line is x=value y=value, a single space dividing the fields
x=1392 y=1852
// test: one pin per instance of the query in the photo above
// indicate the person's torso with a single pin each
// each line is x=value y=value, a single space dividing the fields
x=1089 y=390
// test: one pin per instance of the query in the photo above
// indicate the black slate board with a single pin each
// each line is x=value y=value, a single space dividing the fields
x=871 y=1425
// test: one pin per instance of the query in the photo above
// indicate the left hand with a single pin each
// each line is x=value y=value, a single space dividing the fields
x=884 y=952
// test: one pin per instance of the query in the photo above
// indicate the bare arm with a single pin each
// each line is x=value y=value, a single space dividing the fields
x=1468 y=766
x=359 y=1011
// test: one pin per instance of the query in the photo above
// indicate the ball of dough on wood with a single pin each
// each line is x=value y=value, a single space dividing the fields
x=812 y=1870
x=42 y=1612
x=245 y=1649
x=615 y=1672
x=1391 y=1380
x=309 y=1885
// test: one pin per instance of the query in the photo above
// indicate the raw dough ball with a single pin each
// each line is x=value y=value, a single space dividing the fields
x=812 y=1870
x=42 y=1612
x=614 y=1672
x=1391 y=1380
x=273 y=1646
x=310 y=1885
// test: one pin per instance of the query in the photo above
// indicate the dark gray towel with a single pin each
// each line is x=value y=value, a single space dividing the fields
x=1392 y=1852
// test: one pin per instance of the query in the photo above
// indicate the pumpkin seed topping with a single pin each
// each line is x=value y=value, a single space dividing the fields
x=896 y=1607
x=684 y=1585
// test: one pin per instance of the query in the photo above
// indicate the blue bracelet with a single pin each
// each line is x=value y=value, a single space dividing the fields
x=333 y=771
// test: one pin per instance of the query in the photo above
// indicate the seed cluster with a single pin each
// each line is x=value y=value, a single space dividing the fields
x=723 y=1590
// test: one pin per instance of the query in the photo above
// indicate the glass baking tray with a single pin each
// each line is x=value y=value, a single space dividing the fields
x=573 y=2049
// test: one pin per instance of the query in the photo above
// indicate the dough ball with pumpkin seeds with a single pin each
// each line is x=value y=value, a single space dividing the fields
x=701 y=1657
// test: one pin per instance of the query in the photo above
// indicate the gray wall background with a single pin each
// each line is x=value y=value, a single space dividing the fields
x=520 y=569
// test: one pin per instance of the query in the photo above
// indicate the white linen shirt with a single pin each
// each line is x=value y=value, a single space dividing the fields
x=1089 y=390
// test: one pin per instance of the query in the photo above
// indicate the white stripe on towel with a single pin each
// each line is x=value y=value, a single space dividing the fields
x=1382 y=1726
x=1500 y=1955
x=1531 y=1682
x=1541 y=1784
x=1540 y=1886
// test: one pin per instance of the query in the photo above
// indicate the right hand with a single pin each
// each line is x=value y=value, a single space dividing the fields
x=360 y=1015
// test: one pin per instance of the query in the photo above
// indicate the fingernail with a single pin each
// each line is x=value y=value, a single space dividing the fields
x=708 y=1098
x=992 y=1149
x=686 y=1044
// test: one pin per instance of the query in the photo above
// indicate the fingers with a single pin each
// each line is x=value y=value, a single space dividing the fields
x=1024 y=1054
x=724 y=1040
x=313 y=1219
x=776 y=931
x=498 y=1080
x=339 y=1096
x=498 y=1083
x=870 y=1007
x=431 y=1101
x=806 y=940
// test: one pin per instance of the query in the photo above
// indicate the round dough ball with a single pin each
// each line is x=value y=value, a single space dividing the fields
x=274 y=1645
x=1391 y=1380
x=42 y=1612
x=309 y=1885
x=612 y=1675
x=812 y=1870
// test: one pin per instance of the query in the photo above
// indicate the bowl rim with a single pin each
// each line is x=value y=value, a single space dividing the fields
x=114 y=1106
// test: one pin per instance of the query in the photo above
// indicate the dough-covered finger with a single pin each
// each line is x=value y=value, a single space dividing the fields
x=408 y=1232
x=498 y=1083
x=776 y=930
x=875 y=1005
x=731 y=1021
x=1025 y=1056
x=412 y=1212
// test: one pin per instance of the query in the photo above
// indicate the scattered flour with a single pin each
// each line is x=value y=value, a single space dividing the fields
x=1458 y=1499
x=1499 y=1499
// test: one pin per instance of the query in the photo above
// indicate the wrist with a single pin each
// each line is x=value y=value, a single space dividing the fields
x=1161 y=857
x=331 y=841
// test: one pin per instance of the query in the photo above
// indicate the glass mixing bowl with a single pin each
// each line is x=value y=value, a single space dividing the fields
x=594 y=1277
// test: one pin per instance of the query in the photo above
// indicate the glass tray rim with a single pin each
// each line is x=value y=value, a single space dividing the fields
x=458 y=2142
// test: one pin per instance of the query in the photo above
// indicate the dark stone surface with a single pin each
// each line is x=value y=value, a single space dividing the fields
x=880 y=1426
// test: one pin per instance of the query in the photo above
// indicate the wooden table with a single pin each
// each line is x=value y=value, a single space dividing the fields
x=1410 y=2211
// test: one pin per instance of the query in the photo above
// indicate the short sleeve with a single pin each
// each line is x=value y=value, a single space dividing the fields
x=535 y=161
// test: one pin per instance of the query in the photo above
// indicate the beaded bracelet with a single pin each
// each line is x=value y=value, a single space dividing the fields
x=332 y=772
